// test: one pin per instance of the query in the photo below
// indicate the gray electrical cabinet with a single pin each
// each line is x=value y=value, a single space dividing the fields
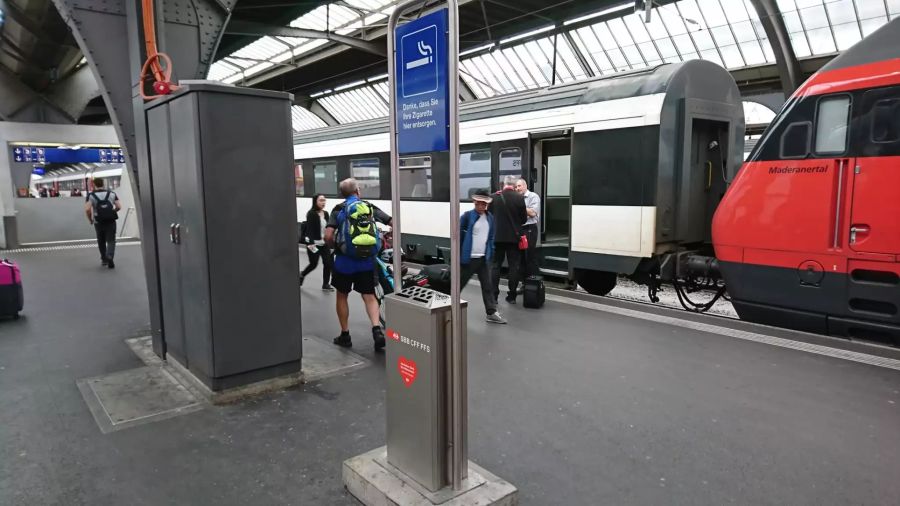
x=418 y=348
x=221 y=162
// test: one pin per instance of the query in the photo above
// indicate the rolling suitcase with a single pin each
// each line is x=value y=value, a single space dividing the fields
x=533 y=296
x=11 y=299
x=438 y=277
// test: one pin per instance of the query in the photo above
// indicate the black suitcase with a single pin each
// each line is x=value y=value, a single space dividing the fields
x=438 y=277
x=534 y=292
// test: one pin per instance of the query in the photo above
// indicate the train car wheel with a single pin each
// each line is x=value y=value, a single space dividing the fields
x=596 y=282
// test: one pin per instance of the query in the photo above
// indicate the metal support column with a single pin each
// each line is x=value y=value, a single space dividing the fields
x=191 y=31
x=788 y=66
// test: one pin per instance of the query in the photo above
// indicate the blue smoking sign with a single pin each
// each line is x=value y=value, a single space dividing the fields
x=422 y=108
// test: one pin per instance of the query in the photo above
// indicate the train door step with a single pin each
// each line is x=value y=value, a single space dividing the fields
x=554 y=264
x=554 y=273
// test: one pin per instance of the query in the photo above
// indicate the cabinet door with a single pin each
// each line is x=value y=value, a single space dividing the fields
x=192 y=232
x=166 y=217
x=251 y=230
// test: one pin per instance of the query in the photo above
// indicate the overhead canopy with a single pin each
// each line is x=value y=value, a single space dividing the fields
x=599 y=38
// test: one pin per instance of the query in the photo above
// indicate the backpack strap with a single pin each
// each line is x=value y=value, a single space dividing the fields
x=518 y=228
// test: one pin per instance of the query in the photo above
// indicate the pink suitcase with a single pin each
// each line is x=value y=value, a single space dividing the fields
x=11 y=297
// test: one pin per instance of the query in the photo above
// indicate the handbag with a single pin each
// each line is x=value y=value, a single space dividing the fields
x=523 y=239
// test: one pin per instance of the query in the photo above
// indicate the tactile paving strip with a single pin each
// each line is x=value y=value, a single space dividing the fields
x=63 y=247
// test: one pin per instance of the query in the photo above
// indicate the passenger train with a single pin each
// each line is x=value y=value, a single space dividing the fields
x=642 y=174
x=808 y=234
x=66 y=182
x=629 y=168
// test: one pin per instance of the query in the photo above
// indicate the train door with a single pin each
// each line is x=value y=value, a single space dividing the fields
x=551 y=174
x=702 y=179
x=875 y=211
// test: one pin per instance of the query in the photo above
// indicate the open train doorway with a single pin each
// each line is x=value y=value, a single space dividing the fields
x=704 y=182
x=551 y=178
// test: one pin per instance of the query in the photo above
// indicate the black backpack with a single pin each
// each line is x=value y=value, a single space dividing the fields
x=104 y=210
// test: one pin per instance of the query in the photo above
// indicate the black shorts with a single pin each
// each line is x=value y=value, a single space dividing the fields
x=362 y=282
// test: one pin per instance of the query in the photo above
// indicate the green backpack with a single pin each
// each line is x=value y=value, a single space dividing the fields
x=359 y=236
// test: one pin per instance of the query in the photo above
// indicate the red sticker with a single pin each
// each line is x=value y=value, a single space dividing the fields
x=408 y=370
x=393 y=334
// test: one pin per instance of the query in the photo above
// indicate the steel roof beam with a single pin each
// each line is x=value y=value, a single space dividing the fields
x=780 y=40
x=251 y=28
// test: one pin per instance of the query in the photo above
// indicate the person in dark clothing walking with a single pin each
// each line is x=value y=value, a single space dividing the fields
x=101 y=208
x=508 y=209
x=316 y=221
x=476 y=235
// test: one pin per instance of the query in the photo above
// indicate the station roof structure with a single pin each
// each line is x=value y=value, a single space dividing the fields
x=515 y=45
x=331 y=54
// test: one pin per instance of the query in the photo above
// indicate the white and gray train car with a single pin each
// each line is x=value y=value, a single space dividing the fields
x=630 y=168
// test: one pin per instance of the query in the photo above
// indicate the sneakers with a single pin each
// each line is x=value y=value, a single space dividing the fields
x=378 y=337
x=495 y=318
x=511 y=298
x=327 y=288
x=343 y=340
x=302 y=277
x=104 y=262
x=111 y=264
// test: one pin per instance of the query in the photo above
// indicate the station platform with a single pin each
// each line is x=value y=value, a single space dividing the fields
x=582 y=402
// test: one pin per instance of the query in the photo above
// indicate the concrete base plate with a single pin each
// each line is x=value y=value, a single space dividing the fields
x=322 y=359
x=230 y=395
x=134 y=397
x=373 y=481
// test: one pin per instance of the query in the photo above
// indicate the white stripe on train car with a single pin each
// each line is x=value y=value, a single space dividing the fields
x=608 y=115
x=428 y=218
x=614 y=230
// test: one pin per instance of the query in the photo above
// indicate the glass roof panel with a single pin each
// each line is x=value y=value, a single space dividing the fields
x=893 y=8
x=303 y=119
x=812 y=14
x=219 y=70
x=727 y=32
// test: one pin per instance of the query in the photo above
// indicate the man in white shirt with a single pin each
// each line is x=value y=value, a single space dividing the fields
x=531 y=228
x=476 y=233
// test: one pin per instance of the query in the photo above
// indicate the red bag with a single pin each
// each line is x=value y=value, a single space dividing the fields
x=523 y=242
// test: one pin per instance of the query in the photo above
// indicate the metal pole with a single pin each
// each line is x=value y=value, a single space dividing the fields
x=395 y=161
x=459 y=463
x=458 y=373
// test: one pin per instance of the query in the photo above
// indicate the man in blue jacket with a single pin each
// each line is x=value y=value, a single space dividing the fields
x=476 y=234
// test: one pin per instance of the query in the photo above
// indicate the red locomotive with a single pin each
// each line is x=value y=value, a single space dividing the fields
x=808 y=234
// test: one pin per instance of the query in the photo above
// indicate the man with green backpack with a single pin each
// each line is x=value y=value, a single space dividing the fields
x=353 y=233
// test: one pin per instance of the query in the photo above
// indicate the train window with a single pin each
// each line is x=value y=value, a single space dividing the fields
x=832 y=121
x=298 y=179
x=367 y=172
x=795 y=140
x=886 y=120
x=474 y=172
x=510 y=163
x=325 y=177
x=415 y=177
